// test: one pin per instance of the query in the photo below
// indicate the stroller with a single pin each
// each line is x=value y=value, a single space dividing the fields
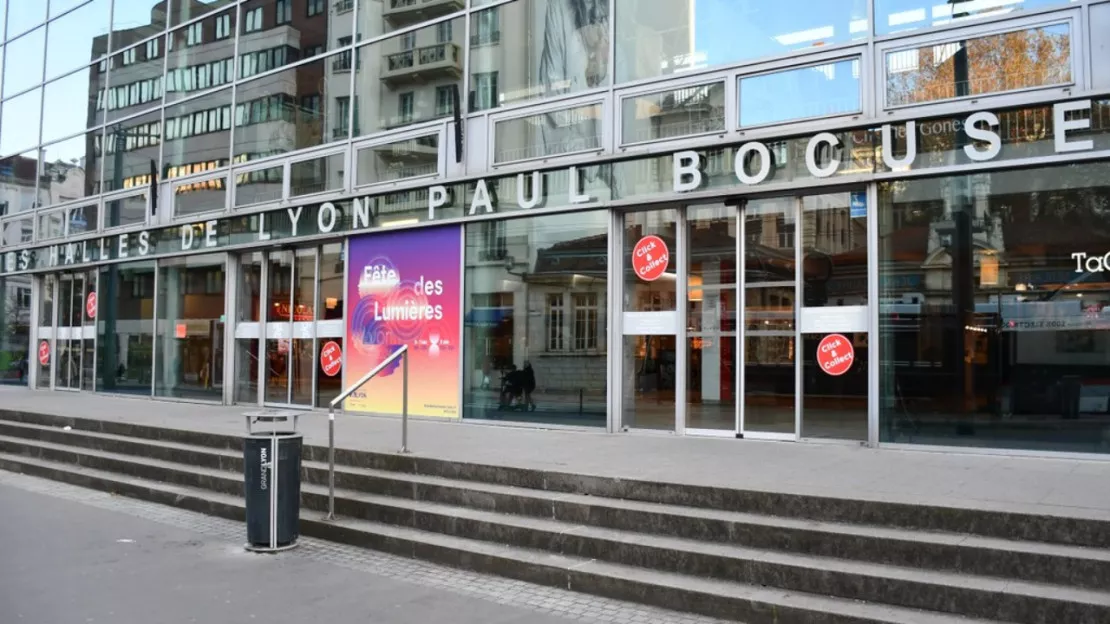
x=512 y=390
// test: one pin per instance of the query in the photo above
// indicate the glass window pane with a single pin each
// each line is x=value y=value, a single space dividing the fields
x=197 y=59
x=283 y=112
x=519 y=365
x=834 y=235
x=711 y=317
x=201 y=196
x=70 y=106
x=125 y=211
x=132 y=151
x=661 y=38
x=834 y=406
x=25 y=15
x=136 y=20
x=659 y=294
x=51 y=225
x=136 y=84
x=250 y=287
x=398 y=79
x=892 y=16
x=316 y=176
x=520 y=62
x=995 y=299
x=74 y=168
x=29 y=50
x=673 y=113
x=258 y=186
x=15 y=330
x=16 y=231
x=125 y=328
x=280 y=266
x=817 y=91
x=769 y=383
x=82 y=219
x=190 y=328
x=304 y=291
x=400 y=160
x=77 y=38
x=548 y=134
x=330 y=305
x=198 y=133
x=19 y=126
x=1021 y=59
x=246 y=371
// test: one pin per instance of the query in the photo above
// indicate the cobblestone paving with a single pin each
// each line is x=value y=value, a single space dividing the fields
x=551 y=600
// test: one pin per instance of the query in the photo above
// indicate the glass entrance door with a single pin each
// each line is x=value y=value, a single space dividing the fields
x=75 y=331
x=650 y=257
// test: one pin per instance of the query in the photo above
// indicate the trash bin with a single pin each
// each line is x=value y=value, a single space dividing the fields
x=272 y=488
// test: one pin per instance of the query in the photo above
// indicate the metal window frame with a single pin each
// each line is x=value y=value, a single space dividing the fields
x=233 y=182
x=706 y=80
x=1071 y=16
x=861 y=57
x=325 y=152
x=548 y=107
x=437 y=128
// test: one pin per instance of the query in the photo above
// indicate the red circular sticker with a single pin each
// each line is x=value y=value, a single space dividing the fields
x=835 y=354
x=331 y=358
x=90 y=305
x=44 y=352
x=650 y=258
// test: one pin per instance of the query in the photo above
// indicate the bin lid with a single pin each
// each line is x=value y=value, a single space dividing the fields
x=273 y=417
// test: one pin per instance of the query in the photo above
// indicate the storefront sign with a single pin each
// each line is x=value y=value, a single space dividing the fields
x=1074 y=126
x=835 y=354
x=44 y=353
x=650 y=258
x=404 y=289
x=331 y=358
x=1088 y=263
x=90 y=305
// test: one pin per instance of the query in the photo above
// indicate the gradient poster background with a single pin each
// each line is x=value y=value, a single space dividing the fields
x=403 y=288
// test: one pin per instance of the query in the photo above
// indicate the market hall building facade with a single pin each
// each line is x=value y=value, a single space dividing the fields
x=870 y=221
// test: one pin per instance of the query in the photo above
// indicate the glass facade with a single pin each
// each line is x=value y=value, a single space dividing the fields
x=686 y=216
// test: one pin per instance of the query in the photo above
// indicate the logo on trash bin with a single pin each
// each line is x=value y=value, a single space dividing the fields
x=263 y=462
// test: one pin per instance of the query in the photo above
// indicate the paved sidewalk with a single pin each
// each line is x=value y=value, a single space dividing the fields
x=1066 y=487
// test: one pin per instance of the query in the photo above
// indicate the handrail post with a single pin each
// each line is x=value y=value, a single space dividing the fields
x=331 y=463
x=405 y=402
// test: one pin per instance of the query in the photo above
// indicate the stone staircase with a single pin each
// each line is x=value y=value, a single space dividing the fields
x=749 y=556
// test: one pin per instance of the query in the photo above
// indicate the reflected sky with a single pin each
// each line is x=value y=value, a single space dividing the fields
x=893 y=16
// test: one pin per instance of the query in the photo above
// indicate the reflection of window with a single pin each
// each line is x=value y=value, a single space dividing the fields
x=443 y=32
x=405 y=106
x=494 y=243
x=548 y=134
x=252 y=20
x=443 y=101
x=194 y=34
x=152 y=48
x=223 y=26
x=284 y=11
x=129 y=56
x=487 y=27
x=485 y=90
x=342 y=112
x=696 y=109
x=315 y=7
x=555 y=311
x=408 y=41
x=1022 y=59
x=585 y=321
x=23 y=298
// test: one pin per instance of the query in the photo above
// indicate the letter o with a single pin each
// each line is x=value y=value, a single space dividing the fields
x=764 y=163
x=329 y=208
x=811 y=155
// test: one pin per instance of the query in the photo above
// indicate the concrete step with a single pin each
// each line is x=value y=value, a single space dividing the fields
x=1001 y=523
x=958 y=594
x=715 y=598
x=967 y=554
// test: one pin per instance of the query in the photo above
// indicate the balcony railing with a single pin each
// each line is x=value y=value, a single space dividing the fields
x=443 y=58
x=414 y=10
x=344 y=5
x=343 y=63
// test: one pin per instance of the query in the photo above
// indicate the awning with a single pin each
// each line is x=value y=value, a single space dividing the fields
x=487 y=317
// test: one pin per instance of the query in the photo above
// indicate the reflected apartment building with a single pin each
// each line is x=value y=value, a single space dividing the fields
x=877 y=222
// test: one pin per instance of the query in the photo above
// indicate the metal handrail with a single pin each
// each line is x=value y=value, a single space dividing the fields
x=403 y=353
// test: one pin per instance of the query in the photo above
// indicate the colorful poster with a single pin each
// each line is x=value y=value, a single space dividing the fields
x=404 y=289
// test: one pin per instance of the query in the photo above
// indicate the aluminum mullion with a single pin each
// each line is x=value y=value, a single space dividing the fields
x=263 y=308
x=229 y=198
x=874 y=359
x=741 y=314
x=154 y=348
x=315 y=315
x=682 y=242
x=799 y=293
